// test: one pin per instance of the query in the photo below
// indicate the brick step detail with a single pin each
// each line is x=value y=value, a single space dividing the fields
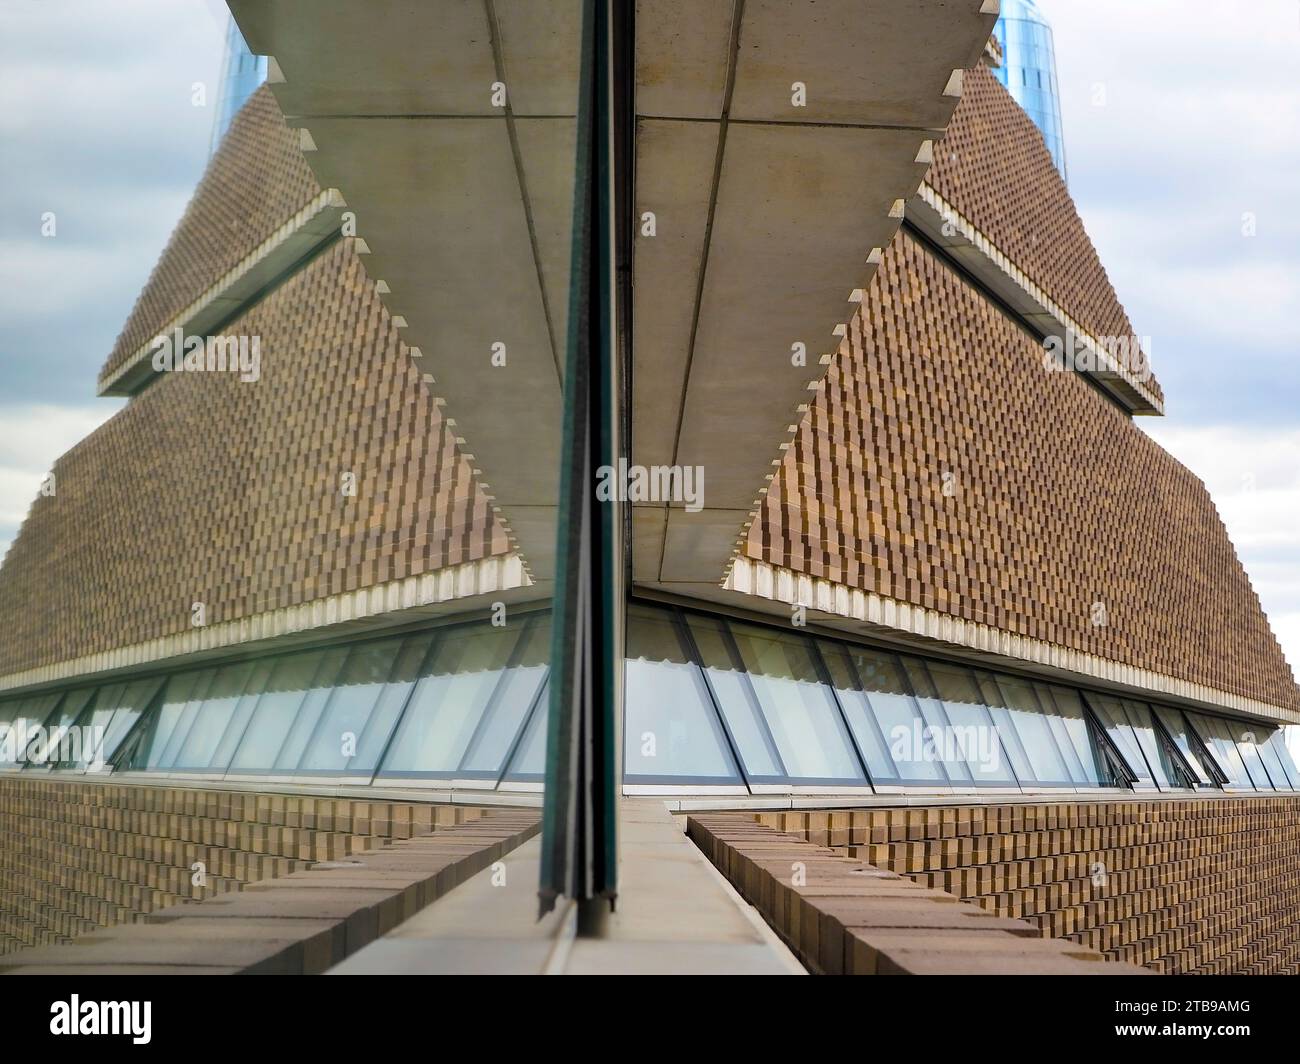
x=843 y=916
x=301 y=923
x=1204 y=885
x=80 y=854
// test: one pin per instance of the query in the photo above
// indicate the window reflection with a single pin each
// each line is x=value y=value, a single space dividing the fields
x=671 y=731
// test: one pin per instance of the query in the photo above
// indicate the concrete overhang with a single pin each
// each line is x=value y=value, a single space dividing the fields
x=1118 y=365
x=777 y=143
x=297 y=240
x=462 y=206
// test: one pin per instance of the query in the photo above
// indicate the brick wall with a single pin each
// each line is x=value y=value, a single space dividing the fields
x=77 y=856
x=1180 y=886
x=942 y=466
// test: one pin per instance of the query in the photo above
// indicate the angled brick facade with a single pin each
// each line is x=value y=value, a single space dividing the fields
x=256 y=180
x=994 y=167
x=943 y=466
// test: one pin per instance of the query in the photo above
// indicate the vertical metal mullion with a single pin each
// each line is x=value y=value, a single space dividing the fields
x=579 y=859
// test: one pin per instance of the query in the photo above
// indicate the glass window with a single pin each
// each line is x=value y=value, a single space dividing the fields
x=244 y=709
x=778 y=676
x=1247 y=738
x=1116 y=722
x=1266 y=749
x=56 y=749
x=528 y=762
x=180 y=715
x=18 y=719
x=148 y=751
x=1069 y=725
x=882 y=715
x=1218 y=739
x=1278 y=748
x=468 y=669
x=205 y=722
x=499 y=732
x=1027 y=733
x=375 y=682
x=1165 y=765
x=749 y=731
x=116 y=726
x=966 y=730
x=297 y=680
x=1188 y=744
x=671 y=730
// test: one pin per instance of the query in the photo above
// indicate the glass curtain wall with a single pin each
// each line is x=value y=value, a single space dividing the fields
x=712 y=705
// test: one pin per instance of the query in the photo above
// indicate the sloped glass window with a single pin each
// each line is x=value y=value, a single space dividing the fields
x=882 y=714
x=1027 y=735
x=498 y=733
x=1115 y=720
x=203 y=723
x=1219 y=740
x=1248 y=738
x=219 y=759
x=57 y=745
x=468 y=669
x=109 y=726
x=18 y=719
x=1188 y=744
x=671 y=731
x=778 y=676
x=1069 y=724
x=967 y=732
x=527 y=763
x=297 y=680
x=1267 y=753
x=1277 y=751
x=350 y=726
x=1166 y=766
x=208 y=680
x=367 y=699
x=735 y=698
x=181 y=689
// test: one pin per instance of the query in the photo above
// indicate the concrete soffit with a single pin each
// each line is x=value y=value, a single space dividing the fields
x=777 y=143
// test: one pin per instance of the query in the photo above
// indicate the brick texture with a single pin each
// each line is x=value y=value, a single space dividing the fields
x=76 y=857
x=256 y=180
x=208 y=489
x=993 y=166
x=844 y=917
x=941 y=465
x=1181 y=886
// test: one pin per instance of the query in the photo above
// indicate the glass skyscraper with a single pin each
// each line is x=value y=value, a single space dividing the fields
x=1029 y=70
x=242 y=73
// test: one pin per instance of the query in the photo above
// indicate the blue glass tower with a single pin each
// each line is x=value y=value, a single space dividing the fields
x=1029 y=70
x=242 y=74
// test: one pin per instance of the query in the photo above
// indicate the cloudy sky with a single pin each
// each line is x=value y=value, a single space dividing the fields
x=1181 y=118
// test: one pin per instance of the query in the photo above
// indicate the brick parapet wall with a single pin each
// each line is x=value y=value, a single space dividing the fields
x=1180 y=886
x=77 y=856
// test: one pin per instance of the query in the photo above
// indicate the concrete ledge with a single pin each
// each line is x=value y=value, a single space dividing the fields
x=302 y=923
